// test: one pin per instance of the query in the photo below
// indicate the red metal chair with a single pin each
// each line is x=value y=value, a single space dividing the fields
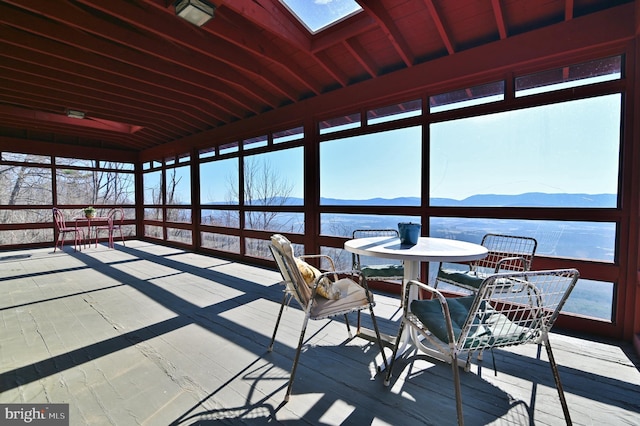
x=116 y=219
x=62 y=230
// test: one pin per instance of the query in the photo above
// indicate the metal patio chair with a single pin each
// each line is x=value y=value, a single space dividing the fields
x=353 y=296
x=116 y=217
x=387 y=271
x=507 y=253
x=508 y=309
x=63 y=229
x=375 y=271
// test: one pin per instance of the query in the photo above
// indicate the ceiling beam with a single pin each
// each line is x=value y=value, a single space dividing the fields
x=110 y=38
x=361 y=55
x=78 y=63
x=164 y=24
x=390 y=29
x=499 y=15
x=273 y=18
x=442 y=30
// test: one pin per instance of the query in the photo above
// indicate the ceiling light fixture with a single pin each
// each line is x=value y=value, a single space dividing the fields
x=198 y=12
x=75 y=114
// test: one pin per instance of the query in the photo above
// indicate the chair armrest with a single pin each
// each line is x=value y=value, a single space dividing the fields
x=426 y=287
x=320 y=256
x=512 y=259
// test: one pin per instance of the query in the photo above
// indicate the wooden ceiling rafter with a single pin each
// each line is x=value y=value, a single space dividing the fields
x=109 y=39
x=568 y=10
x=100 y=80
x=91 y=55
x=330 y=67
x=355 y=26
x=390 y=29
x=361 y=55
x=97 y=80
x=498 y=12
x=442 y=29
x=152 y=128
x=272 y=17
x=103 y=104
x=135 y=142
x=162 y=24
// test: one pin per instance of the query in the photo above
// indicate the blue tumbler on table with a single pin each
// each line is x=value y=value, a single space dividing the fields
x=409 y=233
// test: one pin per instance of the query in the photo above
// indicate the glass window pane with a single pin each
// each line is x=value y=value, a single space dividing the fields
x=179 y=215
x=25 y=185
x=258 y=248
x=222 y=242
x=207 y=153
x=289 y=135
x=152 y=187
x=178 y=185
x=228 y=148
x=225 y=218
x=395 y=112
x=179 y=235
x=274 y=178
x=591 y=299
x=345 y=122
x=477 y=95
x=219 y=182
x=256 y=142
x=114 y=188
x=376 y=169
x=116 y=165
x=542 y=156
x=153 y=214
x=343 y=225
x=153 y=231
x=28 y=236
x=75 y=162
x=605 y=69
x=316 y=16
x=26 y=158
x=25 y=216
x=571 y=239
x=275 y=221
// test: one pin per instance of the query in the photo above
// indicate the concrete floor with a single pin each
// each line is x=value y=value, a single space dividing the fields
x=150 y=335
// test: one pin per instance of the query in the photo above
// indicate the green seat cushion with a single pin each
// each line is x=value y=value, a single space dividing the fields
x=429 y=312
x=469 y=278
x=382 y=271
x=490 y=327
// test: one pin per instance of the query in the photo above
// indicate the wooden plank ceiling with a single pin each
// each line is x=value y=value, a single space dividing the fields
x=145 y=77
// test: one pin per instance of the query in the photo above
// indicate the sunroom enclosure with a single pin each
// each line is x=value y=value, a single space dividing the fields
x=536 y=143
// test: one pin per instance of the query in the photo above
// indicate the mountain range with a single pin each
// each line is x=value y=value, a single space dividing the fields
x=530 y=199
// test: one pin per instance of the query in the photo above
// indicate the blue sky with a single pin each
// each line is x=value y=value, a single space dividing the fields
x=568 y=147
x=316 y=14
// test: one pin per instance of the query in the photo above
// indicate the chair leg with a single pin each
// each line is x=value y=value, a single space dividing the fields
x=456 y=384
x=297 y=357
x=387 y=377
x=346 y=321
x=375 y=327
x=556 y=377
x=273 y=338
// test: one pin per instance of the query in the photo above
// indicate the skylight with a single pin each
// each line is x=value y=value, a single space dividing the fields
x=317 y=15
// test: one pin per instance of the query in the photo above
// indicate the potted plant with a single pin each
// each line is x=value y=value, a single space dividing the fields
x=90 y=211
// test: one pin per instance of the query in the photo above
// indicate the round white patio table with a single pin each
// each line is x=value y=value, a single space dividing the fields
x=428 y=249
